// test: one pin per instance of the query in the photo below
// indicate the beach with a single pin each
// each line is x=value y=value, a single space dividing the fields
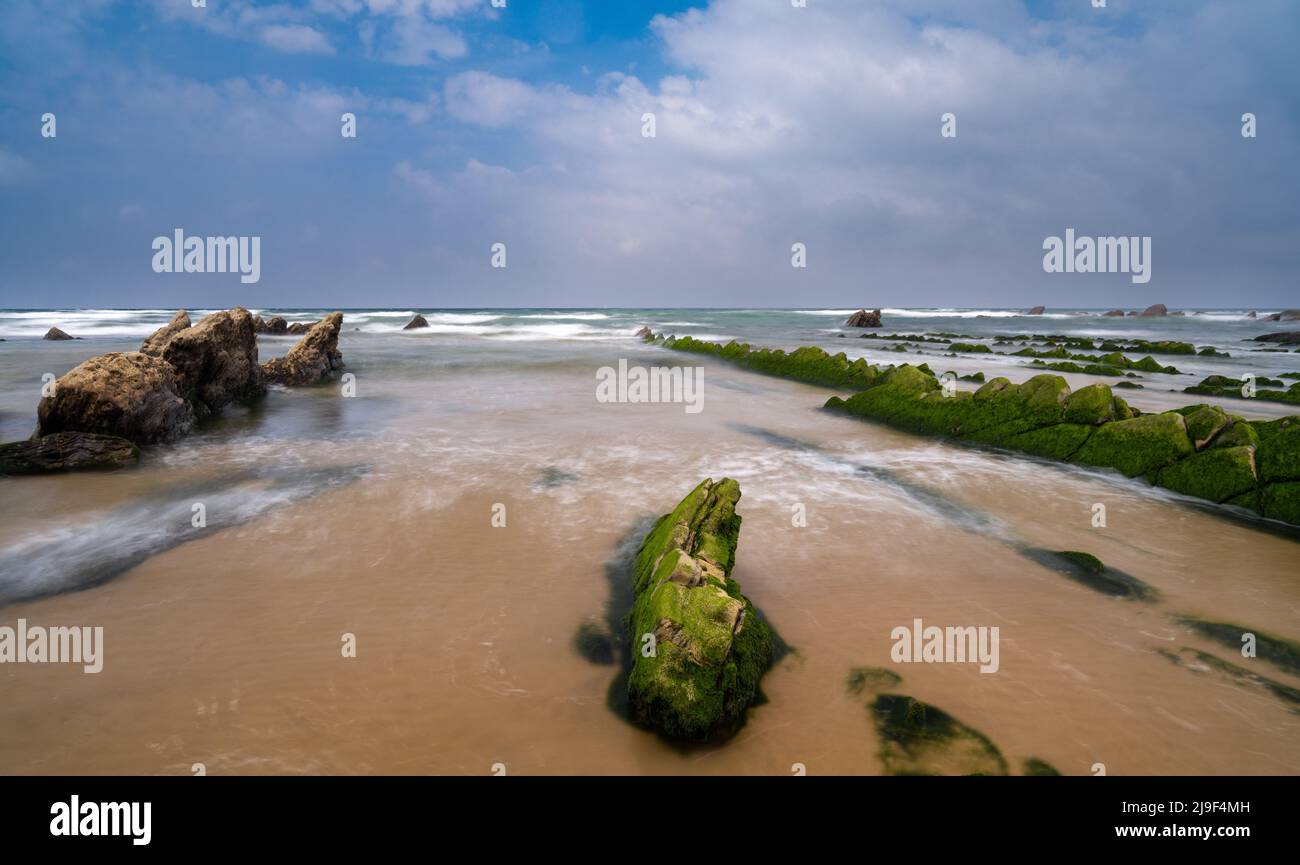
x=373 y=516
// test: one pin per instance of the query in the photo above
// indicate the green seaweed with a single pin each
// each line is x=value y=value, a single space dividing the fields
x=872 y=679
x=916 y=739
x=1088 y=570
x=1278 y=651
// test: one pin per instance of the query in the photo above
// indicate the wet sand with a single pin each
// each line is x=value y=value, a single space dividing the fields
x=225 y=649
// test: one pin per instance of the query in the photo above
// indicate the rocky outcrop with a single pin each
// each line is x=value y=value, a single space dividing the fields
x=1155 y=309
x=153 y=346
x=127 y=394
x=418 y=322
x=862 y=318
x=1038 y=310
x=55 y=333
x=216 y=360
x=710 y=647
x=646 y=333
x=1286 y=337
x=1115 y=313
x=1198 y=450
x=276 y=325
x=1286 y=315
x=312 y=359
x=65 y=451
x=299 y=327
x=808 y=364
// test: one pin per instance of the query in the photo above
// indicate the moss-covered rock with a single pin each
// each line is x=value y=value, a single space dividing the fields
x=1088 y=570
x=1034 y=767
x=1279 y=651
x=872 y=680
x=1204 y=422
x=698 y=671
x=916 y=739
x=1281 y=501
x=1139 y=445
x=1217 y=474
x=1093 y=404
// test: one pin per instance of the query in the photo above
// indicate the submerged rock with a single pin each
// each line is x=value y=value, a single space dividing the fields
x=710 y=647
x=65 y=451
x=1088 y=570
x=1038 y=310
x=154 y=344
x=55 y=333
x=127 y=394
x=916 y=739
x=1288 y=337
x=1115 y=313
x=862 y=318
x=216 y=360
x=418 y=322
x=312 y=359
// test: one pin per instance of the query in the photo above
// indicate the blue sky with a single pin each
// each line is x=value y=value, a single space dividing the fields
x=775 y=125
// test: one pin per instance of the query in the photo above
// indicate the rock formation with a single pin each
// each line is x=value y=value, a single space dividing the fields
x=862 y=318
x=645 y=332
x=55 y=333
x=127 y=394
x=1286 y=315
x=1288 y=337
x=710 y=646
x=1155 y=309
x=1115 y=313
x=312 y=359
x=417 y=322
x=65 y=451
x=216 y=360
x=153 y=346
x=1038 y=310
x=297 y=327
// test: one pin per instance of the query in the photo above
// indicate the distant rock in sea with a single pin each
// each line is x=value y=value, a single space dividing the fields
x=1289 y=337
x=418 y=322
x=862 y=318
x=645 y=332
x=300 y=327
x=1038 y=310
x=1252 y=314
x=1286 y=315
x=55 y=333
x=1155 y=309
x=1115 y=313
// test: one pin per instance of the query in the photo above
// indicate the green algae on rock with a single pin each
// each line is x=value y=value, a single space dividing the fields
x=1203 y=662
x=1034 y=767
x=872 y=680
x=1088 y=570
x=1278 y=651
x=916 y=739
x=698 y=646
x=809 y=364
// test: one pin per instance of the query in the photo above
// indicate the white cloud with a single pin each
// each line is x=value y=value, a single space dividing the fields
x=296 y=39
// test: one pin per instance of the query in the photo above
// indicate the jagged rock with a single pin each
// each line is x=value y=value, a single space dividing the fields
x=645 y=332
x=259 y=324
x=55 y=333
x=127 y=394
x=1115 y=313
x=711 y=647
x=300 y=327
x=276 y=325
x=216 y=360
x=862 y=318
x=160 y=337
x=1038 y=310
x=1155 y=309
x=417 y=322
x=1286 y=315
x=1252 y=314
x=1289 y=337
x=66 y=451
x=312 y=359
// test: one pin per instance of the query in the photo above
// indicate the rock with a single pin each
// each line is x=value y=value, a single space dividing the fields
x=1204 y=422
x=1286 y=315
x=1156 y=309
x=259 y=324
x=276 y=325
x=216 y=360
x=711 y=647
x=55 y=333
x=1289 y=337
x=862 y=318
x=1252 y=314
x=918 y=739
x=417 y=322
x=1038 y=310
x=1115 y=313
x=1217 y=474
x=300 y=327
x=1138 y=446
x=312 y=359
x=1177 y=314
x=127 y=394
x=645 y=332
x=153 y=346
x=66 y=451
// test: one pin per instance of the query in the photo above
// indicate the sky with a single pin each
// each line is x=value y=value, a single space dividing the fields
x=774 y=125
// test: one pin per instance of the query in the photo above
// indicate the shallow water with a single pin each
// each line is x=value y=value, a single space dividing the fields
x=372 y=516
